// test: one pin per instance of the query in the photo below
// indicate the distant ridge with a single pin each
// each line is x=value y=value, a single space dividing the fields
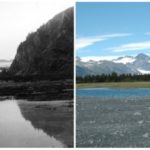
x=122 y=65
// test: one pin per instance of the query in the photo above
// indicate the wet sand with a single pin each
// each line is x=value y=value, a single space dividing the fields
x=113 y=122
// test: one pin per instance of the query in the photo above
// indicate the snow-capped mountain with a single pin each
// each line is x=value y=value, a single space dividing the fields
x=122 y=65
x=124 y=60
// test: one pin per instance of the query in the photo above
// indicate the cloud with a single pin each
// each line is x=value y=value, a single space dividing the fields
x=83 y=42
x=98 y=58
x=131 y=46
x=147 y=33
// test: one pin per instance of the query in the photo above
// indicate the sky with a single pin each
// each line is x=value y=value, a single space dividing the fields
x=106 y=30
x=20 y=17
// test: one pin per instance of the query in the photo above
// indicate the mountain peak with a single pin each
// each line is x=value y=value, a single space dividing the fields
x=142 y=56
x=121 y=65
x=49 y=50
x=124 y=60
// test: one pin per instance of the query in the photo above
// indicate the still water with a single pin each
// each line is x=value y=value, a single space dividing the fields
x=112 y=92
x=16 y=131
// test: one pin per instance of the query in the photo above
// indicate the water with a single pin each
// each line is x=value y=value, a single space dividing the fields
x=111 y=92
x=16 y=131
x=108 y=117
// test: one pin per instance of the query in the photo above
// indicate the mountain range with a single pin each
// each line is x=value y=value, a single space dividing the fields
x=139 y=64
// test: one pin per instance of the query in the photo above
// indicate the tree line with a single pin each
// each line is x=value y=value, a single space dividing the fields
x=113 y=77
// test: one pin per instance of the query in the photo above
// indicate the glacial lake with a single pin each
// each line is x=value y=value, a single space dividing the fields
x=29 y=124
x=113 y=92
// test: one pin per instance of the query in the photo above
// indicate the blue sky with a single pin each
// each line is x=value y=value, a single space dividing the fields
x=112 y=29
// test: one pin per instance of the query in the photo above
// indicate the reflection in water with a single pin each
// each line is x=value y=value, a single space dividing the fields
x=15 y=131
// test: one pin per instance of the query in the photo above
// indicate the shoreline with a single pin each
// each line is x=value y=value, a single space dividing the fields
x=38 y=90
x=139 y=84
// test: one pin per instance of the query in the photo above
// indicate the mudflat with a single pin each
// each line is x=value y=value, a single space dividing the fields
x=113 y=122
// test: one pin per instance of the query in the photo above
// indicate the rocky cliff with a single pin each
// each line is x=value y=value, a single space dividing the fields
x=49 y=50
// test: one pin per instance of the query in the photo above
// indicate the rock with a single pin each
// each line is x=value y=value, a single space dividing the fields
x=49 y=50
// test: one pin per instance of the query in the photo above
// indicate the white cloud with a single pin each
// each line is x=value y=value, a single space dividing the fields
x=87 y=41
x=131 y=46
x=98 y=58
x=147 y=33
x=84 y=42
x=144 y=71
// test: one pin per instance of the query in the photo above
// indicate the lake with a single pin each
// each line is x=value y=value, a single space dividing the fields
x=110 y=92
x=108 y=117
x=35 y=124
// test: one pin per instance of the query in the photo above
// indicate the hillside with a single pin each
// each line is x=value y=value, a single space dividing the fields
x=49 y=50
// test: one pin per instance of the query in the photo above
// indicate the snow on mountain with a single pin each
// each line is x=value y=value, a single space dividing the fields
x=124 y=60
x=99 y=62
x=139 y=64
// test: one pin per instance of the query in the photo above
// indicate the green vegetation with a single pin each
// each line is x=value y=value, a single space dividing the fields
x=114 y=77
x=115 y=85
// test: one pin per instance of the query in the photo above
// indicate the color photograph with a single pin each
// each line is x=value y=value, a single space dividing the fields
x=113 y=74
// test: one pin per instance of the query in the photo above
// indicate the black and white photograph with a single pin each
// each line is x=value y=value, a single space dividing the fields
x=36 y=73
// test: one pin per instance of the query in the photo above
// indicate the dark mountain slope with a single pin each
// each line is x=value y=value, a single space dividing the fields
x=49 y=50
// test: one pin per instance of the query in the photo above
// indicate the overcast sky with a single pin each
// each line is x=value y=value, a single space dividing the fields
x=20 y=17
